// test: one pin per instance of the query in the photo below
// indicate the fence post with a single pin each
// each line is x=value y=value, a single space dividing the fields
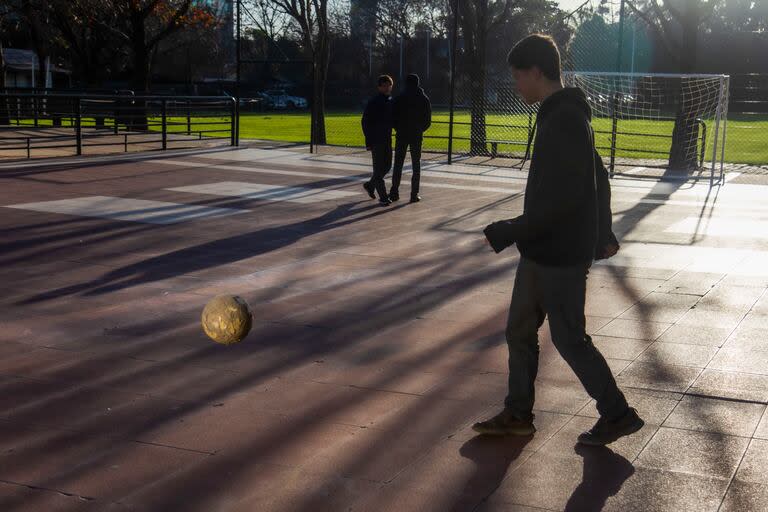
x=164 y=112
x=614 y=129
x=313 y=110
x=718 y=117
x=116 y=110
x=530 y=122
x=238 y=60
x=78 y=127
x=452 y=52
x=189 y=117
x=232 y=127
x=621 y=37
x=34 y=109
x=703 y=125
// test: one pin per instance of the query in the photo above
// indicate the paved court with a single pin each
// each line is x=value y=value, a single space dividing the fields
x=378 y=341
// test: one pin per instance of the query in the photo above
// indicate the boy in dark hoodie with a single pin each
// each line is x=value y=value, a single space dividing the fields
x=566 y=223
x=412 y=113
x=377 y=128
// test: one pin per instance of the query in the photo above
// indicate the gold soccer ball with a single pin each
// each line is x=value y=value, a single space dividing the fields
x=227 y=319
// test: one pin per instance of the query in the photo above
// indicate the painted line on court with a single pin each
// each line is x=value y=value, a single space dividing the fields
x=133 y=210
x=359 y=179
x=718 y=226
x=304 y=195
x=729 y=199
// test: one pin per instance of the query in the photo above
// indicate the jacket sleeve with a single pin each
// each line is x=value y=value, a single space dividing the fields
x=366 y=122
x=427 y=114
x=605 y=234
x=396 y=109
x=565 y=154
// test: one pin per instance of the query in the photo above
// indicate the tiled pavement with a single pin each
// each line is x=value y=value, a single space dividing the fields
x=378 y=340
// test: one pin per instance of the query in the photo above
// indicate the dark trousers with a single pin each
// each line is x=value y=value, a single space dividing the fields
x=382 y=162
x=401 y=146
x=559 y=294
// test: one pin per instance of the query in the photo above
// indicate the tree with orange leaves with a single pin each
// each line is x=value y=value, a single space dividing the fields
x=145 y=23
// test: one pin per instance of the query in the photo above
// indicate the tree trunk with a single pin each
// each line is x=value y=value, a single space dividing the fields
x=683 y=152
x=318 y=95
x=478 y=144
x=140 y=79
x=475 y=25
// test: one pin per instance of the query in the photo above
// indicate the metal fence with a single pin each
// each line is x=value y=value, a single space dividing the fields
x=748 y=120
x=476 y=114
x=54 y=124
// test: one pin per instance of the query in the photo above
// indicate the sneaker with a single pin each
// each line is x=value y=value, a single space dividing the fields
x=394 y=196
x=607 y=431
x=416 y=198
x=385 y=202
x=505 y=424
x=369 y=188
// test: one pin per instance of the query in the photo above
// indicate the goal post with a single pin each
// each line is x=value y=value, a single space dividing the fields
x=668 y=126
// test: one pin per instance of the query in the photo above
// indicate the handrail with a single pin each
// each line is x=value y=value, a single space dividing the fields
x=117 y=96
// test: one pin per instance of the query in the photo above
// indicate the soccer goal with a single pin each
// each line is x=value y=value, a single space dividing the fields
x=658 y=125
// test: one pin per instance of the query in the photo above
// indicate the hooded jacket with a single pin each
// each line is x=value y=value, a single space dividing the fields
x=412 y=110
x=566 y=214
x=377 y=120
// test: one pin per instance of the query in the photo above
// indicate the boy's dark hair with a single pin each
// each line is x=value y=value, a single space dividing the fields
x=536 y=50
x=384 y=79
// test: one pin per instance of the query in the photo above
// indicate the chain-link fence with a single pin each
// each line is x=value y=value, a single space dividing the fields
x=748 y=120
x=275 y=100
x=478 y=117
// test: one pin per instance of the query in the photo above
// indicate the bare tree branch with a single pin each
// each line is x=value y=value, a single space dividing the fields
x=669 y=45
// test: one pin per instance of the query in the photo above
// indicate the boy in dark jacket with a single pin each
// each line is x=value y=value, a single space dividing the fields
x=377 y=128
x=412 y=114
x=564 y=226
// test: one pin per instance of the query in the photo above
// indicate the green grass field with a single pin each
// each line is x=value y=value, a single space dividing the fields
x=746 y=141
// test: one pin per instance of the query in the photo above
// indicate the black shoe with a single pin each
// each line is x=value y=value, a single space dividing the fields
x=505 y=424
x=385 y=202
x=369 y=188
x=415 y=199
x=607 y=431
x=394 y=196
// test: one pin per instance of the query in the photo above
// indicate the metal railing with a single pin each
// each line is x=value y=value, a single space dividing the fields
x=30 y=122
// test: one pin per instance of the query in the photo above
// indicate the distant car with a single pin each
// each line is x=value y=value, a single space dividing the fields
x=279 y=99
x=256 y=103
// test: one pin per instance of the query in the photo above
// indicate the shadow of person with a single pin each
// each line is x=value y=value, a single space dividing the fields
x=215 y=253
x=493 y=457
x=604 y=474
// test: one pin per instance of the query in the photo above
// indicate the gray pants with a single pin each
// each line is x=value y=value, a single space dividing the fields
x=559 y=294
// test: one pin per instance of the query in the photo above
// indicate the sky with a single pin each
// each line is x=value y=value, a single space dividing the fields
x=569 y=5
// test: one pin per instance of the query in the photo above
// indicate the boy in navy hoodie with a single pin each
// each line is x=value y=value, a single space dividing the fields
x=565 y=225
x=377 y=128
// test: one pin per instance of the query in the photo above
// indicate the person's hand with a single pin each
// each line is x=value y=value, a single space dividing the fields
x=608 y=251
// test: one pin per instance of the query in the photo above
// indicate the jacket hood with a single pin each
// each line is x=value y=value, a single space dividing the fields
x=572 y=97
x=413 y=90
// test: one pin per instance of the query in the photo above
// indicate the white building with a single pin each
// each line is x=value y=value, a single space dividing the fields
x=22 y=67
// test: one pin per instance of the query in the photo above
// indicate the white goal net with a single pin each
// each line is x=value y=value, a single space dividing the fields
x=661 y=125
